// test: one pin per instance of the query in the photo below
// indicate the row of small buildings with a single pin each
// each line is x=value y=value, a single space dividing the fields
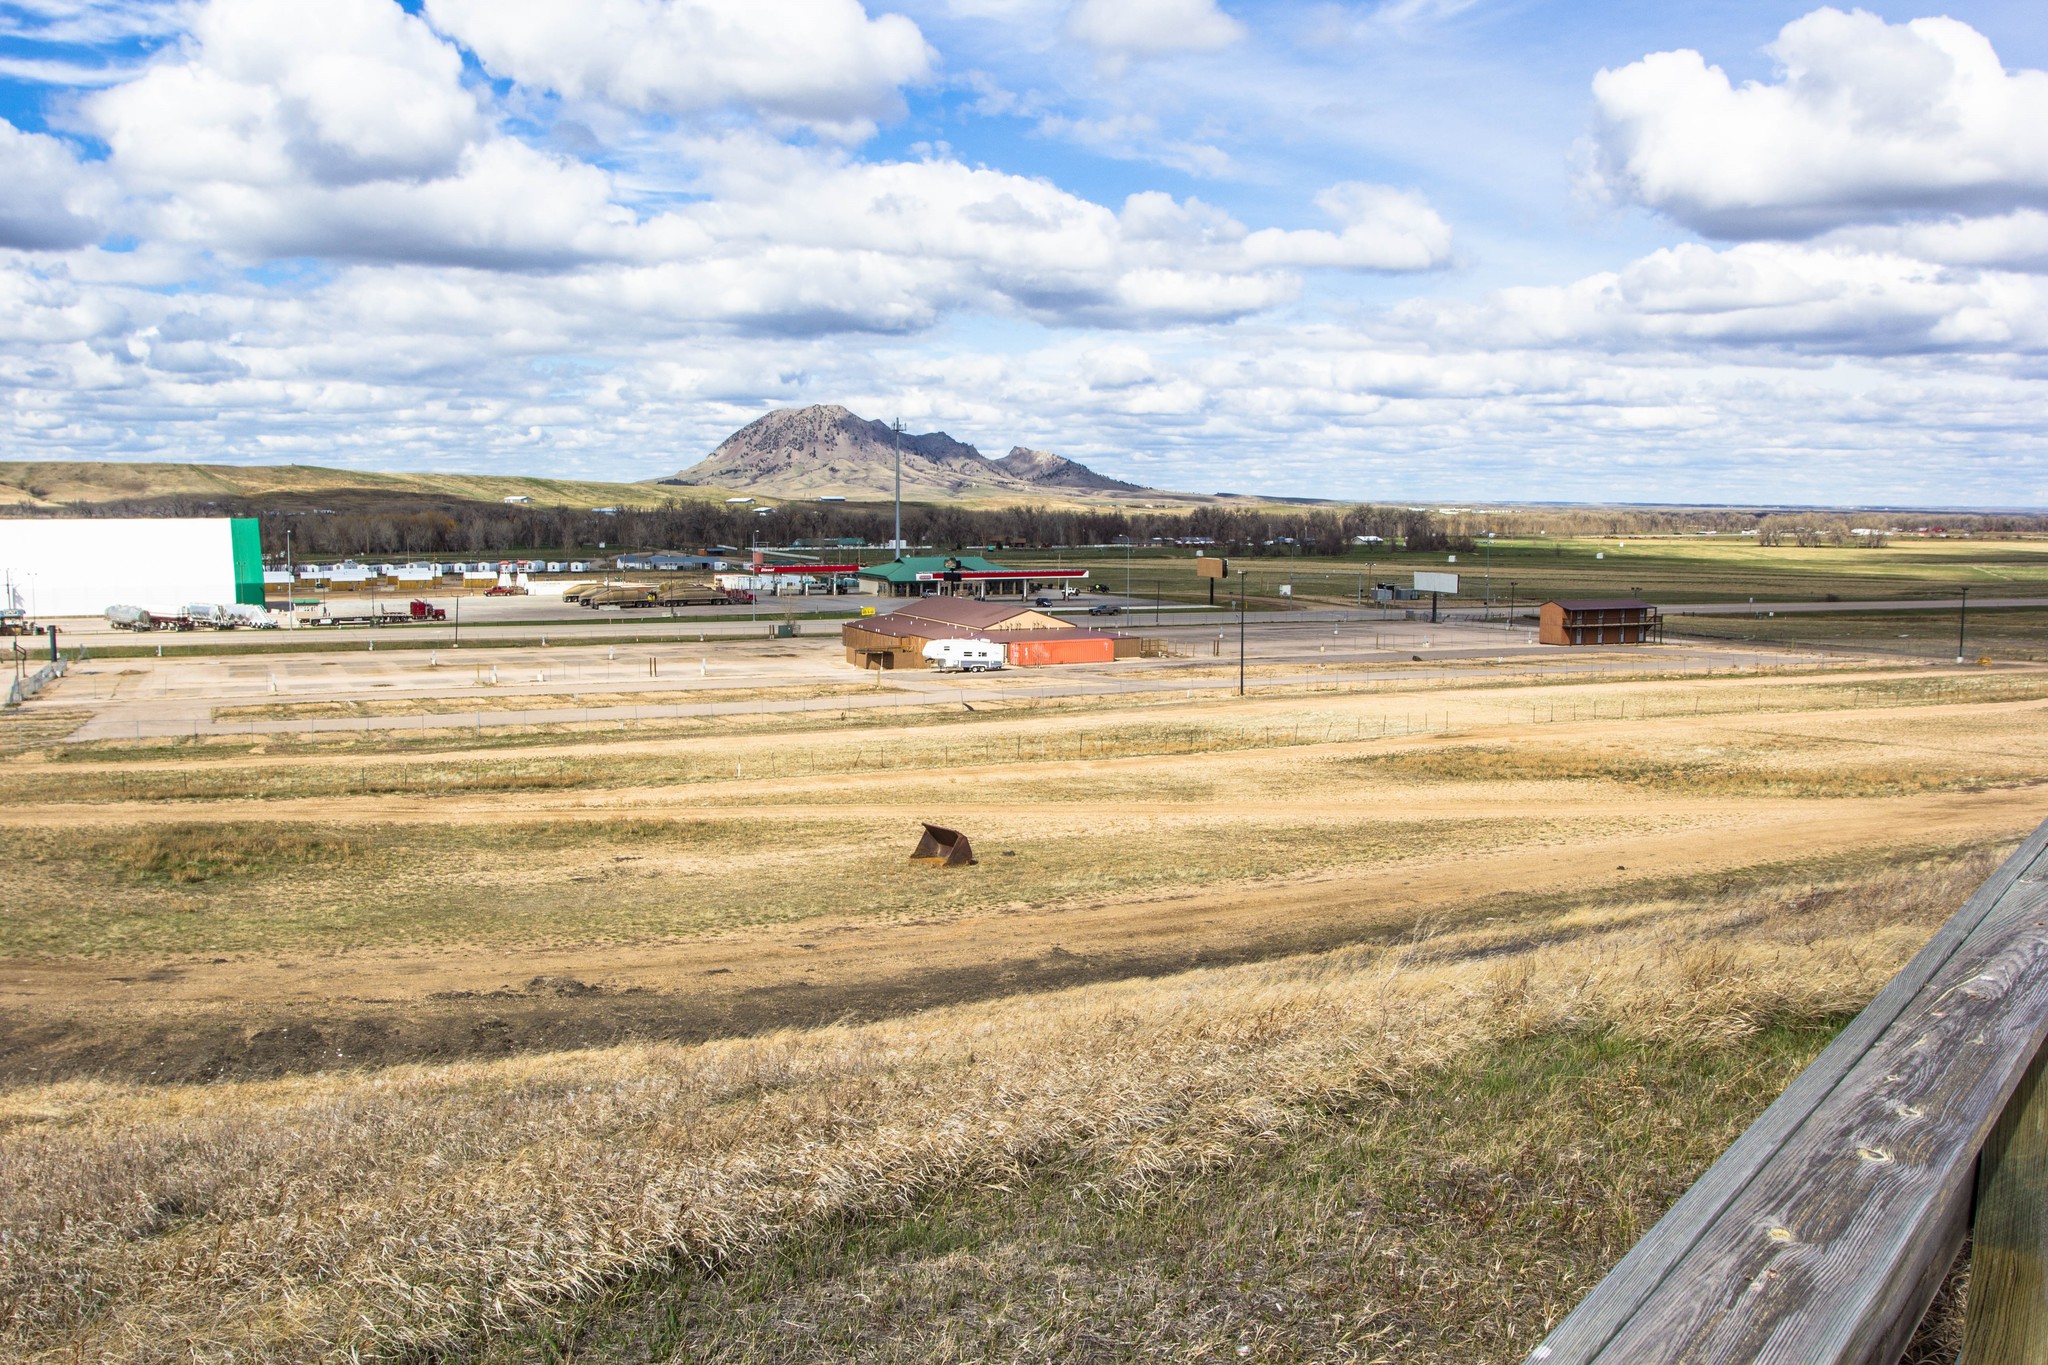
x=1030 y=638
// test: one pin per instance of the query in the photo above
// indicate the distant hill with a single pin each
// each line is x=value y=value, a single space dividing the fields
x=828 y=451
x=69 y=483
x=1044 y=469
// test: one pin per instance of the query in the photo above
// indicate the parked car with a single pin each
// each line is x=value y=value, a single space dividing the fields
x=1106 y=609
x=1041 y=601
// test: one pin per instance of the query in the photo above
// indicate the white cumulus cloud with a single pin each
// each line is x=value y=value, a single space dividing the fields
x=270 y=91
x=1383 y=229
x=818 y=60
x=1867 y=122
x=52 y=202
x=1152 y=28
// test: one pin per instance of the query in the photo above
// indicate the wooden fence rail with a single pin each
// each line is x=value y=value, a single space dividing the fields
x=1825 y=1230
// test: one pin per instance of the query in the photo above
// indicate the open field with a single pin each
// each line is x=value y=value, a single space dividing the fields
x=1664 y=570
x=2000 y=633
x=1366 y=1017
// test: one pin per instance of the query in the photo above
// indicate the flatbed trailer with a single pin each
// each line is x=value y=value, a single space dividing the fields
x=364 y=618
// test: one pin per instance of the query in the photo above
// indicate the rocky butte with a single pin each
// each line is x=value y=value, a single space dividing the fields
x=828 y=451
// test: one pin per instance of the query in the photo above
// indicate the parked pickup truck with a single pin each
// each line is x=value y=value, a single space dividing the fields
x=1106 y=609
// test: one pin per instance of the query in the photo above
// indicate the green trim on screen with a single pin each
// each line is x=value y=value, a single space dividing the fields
x=248 y=539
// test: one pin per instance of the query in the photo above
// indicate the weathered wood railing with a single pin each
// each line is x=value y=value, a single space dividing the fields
x=1823 y=1233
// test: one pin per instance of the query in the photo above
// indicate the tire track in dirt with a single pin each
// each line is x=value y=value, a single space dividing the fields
x=196 y=1019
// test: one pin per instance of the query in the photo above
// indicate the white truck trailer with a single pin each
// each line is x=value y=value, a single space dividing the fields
x=964 y=656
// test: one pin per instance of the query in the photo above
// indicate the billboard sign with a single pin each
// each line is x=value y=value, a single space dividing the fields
x=1436 y=582
x=1209 y=566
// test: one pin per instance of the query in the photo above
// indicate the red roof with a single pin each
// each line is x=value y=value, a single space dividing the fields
x=938 y=630
x=959 y=611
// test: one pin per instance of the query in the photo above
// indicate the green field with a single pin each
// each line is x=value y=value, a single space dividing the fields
x=1664 y=570
x=2001 y=634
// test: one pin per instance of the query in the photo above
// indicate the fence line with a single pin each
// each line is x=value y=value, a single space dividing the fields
x=1823 y=1233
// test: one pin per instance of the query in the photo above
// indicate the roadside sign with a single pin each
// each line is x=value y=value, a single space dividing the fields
x=1436 y=582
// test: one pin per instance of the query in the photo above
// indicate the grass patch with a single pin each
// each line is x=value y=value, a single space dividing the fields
x=462 y=706
x=1448 y=1218
x=2002 y=633
x=181 y=855
x=1748 y=776
x=1361 y=1153
x=28 y=729
x=248 y=887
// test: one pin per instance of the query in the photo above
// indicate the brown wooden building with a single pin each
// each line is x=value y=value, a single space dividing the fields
x=1598 y=621
x=1029 y=637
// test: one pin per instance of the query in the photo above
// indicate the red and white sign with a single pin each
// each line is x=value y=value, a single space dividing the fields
x=806 y=568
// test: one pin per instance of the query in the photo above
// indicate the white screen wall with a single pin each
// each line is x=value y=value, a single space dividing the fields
x=81 y=567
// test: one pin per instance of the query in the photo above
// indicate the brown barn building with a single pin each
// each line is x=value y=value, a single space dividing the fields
x=1597 y=621
x=1031 y=638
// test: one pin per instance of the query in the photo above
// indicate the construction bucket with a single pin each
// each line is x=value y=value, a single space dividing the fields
x=943 y=847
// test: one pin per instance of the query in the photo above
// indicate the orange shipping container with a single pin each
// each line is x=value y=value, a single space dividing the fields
x=1037 y=653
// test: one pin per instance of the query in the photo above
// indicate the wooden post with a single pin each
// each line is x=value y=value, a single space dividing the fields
x=2007 y=1322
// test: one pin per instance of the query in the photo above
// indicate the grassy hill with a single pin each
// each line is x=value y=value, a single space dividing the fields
x=79 y=482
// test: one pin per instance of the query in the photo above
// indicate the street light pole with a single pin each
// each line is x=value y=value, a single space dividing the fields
x=1240 y=632
x=1962 y=625
x=896 y=440
x=1489 y=575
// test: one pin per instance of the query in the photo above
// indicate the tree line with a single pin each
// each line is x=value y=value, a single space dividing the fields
x=382 y=525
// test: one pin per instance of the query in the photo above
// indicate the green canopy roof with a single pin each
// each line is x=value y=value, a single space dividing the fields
x=907 y=569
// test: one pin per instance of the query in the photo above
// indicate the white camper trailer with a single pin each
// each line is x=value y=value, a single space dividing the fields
x=964 y=656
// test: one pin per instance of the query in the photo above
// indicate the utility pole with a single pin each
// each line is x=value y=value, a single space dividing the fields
x=1962 y=625
x=896 y=440
x=1240 y=632
x=1489 y=575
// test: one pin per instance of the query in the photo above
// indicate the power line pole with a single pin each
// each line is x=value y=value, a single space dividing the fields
x=1962 y=625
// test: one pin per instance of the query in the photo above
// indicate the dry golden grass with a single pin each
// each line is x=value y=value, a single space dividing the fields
x=415 y=1209
x=543 y=701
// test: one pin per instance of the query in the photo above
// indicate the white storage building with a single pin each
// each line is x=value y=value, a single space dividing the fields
x=80 y=566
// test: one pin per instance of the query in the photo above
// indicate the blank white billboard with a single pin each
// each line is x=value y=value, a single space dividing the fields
x=82 y=566
x=1436 y=582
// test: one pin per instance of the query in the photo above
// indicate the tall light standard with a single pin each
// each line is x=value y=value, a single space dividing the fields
x=1489 y=575
x=1962 y=625
x=896 y=441
x=1240 y=632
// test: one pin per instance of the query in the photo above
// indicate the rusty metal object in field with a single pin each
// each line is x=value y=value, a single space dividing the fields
x=943 y=847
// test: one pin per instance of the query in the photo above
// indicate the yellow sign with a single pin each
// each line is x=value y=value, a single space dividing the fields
x=867 y=611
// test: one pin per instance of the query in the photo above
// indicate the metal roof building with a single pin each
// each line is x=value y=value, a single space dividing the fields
x=1031 y=638
x=960 y=575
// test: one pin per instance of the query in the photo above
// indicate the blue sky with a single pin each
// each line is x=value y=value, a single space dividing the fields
x=1413 y=248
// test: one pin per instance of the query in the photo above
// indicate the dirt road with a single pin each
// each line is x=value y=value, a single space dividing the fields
x=196 y=1019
